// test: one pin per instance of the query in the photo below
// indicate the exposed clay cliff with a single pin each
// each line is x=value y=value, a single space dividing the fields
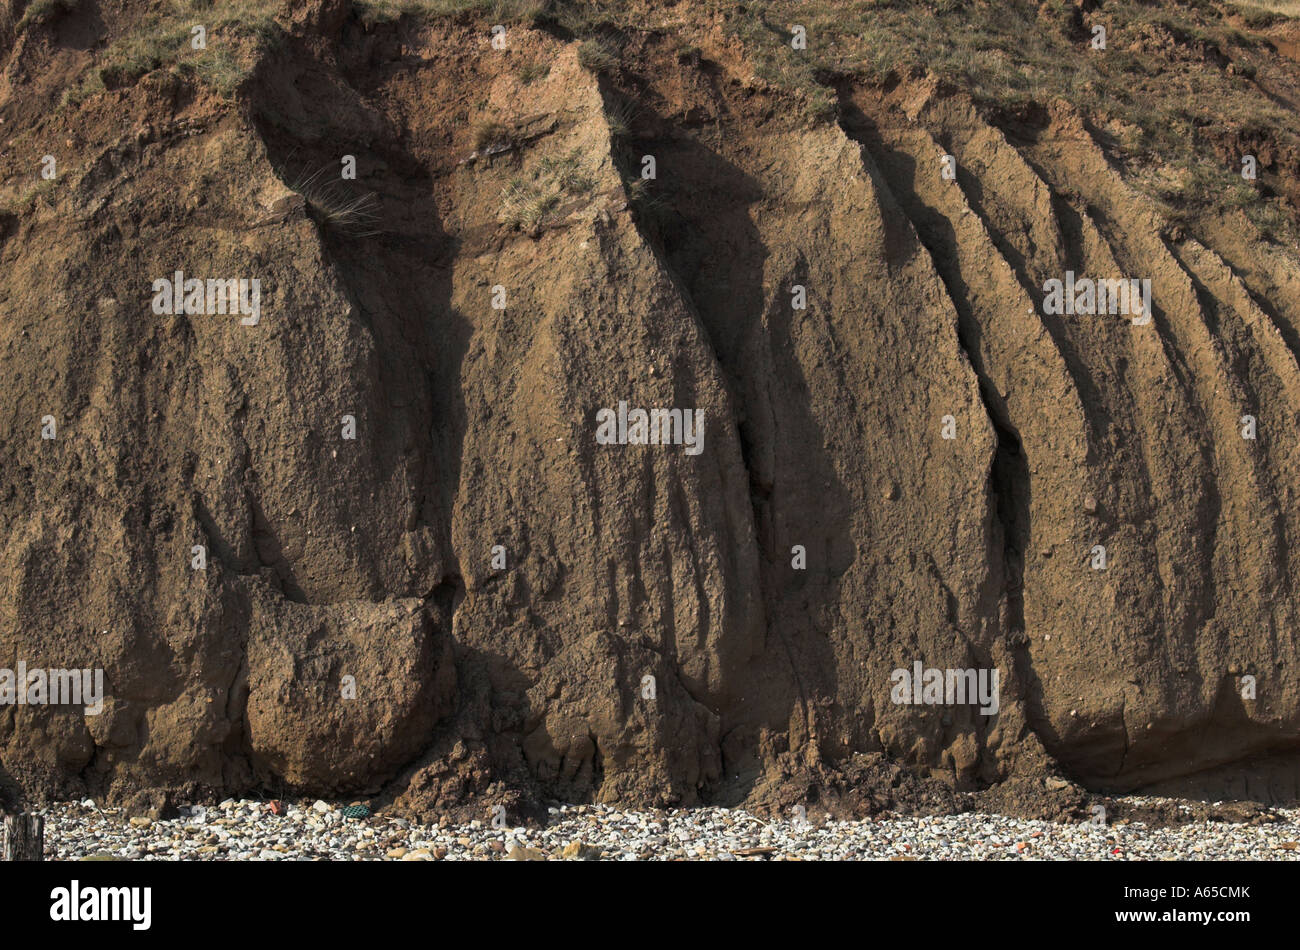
x=366 y=541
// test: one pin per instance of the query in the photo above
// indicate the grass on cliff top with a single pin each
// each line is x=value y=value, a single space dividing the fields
x=498 y=11
x=1153 y=93
x=41 y=11
x=237 y=32
x=1287 y=8
x=1159 y=85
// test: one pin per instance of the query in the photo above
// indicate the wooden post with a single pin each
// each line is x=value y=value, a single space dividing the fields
x=24 y=838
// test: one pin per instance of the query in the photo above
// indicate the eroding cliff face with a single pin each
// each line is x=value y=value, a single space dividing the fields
x=370 y=543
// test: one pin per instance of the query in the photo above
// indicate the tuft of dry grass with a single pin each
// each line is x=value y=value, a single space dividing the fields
x=1284 y=8
x=532 y=72
x=332 y=204
x=492 y=133
x=372 y=12
x=620 y=116
x=597 y=56
x=528 y=201
x=526 y=204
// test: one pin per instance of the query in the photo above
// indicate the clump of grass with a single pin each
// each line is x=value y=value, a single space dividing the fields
x=1239 y=193
x=578 y=18
x=1190 y=194
x=822 y=103
x=1273 y=221
x=525 y=204
x=25 y=202
x=162 y=39
x=221 y=71
x=653 y=211
x=620 y=116
x=567 y=172
x=532 y=72
x=90 y=85
x=373 y=12
x=1193 y=189
x=528 y=201
x=331 y=204
x=1262 y=15
x=640 y=194
x=490 y=134
x=43 y=11
x=597 y=56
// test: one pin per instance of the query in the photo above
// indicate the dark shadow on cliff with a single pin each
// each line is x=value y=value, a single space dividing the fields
x=394 y=262
x=697 y=215
x=1002 y=601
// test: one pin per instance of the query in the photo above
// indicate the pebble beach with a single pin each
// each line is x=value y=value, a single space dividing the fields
x=323 y=831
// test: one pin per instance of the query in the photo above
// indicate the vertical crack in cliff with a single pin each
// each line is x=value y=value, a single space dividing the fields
x=726 y=295
x=1008 y=478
